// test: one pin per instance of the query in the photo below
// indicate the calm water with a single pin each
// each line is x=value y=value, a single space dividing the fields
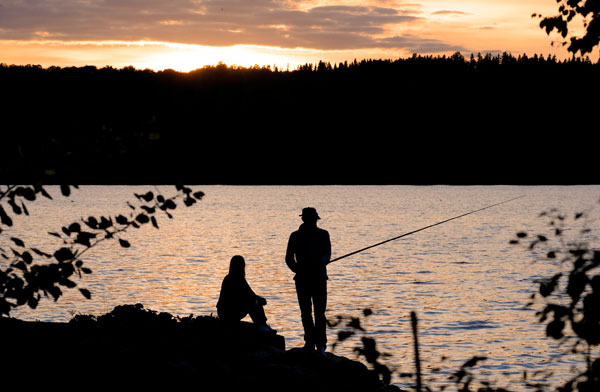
x=466 y=283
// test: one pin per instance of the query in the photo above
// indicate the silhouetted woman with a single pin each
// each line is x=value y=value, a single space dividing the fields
x=237 y=299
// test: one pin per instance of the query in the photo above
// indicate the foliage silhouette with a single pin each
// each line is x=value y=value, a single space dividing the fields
x=30 y=273
x=465 y=379
x=570 y=302
x=571 y=14
x=570 y=297
x=352 y=327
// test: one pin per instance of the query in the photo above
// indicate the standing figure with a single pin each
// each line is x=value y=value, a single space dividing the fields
x=308 y=253
x=237 y=299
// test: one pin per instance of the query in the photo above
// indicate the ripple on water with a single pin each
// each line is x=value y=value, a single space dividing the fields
x=465 y=264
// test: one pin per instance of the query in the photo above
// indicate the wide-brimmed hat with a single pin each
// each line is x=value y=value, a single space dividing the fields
x=310 y=212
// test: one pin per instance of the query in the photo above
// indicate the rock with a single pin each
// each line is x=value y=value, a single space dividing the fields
x=134 y=347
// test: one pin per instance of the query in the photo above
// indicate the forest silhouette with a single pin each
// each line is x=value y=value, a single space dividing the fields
x=487 y=119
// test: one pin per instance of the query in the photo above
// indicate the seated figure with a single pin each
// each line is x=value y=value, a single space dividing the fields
x=237 y=299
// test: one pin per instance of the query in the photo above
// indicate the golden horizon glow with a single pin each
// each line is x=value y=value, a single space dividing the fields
x=429 y=27
x=179 y=57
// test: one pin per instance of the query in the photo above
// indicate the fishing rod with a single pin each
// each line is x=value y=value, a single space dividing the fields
x=421 y=229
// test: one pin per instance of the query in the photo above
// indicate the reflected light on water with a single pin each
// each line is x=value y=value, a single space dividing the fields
x=467 y=285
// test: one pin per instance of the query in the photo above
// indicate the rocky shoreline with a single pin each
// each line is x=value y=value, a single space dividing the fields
x=135 y=347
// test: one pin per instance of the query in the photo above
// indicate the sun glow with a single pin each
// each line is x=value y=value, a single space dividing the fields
x=184 y=58
x=165 y=55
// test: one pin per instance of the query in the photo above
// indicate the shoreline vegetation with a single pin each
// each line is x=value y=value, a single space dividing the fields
x=134 y=346
x=417 y=120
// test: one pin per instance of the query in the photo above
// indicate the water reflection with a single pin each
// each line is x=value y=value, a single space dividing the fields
x=462 y=278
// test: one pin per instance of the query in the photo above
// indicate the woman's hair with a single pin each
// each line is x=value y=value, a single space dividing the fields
x=237 y=266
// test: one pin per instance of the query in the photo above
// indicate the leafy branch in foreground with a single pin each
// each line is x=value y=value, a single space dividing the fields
x=24 y=280
x=570 y=297
x=571 y=14
x=351 y=326
x=465 y=379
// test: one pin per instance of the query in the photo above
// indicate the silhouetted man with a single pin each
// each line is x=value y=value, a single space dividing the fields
x=308 y=252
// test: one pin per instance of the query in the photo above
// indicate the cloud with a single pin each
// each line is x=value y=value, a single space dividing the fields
x=449 y=12
x=419 y=45
x=213 y=22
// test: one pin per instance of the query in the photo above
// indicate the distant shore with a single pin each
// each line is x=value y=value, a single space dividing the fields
x=416 y=121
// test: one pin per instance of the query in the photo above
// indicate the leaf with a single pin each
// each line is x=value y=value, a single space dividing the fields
x=24 y=209
x=198 y=195
x=343 y=335
x=124 y=243
x=142 y=218
x=45 y=194
x=148 y=196
x=92 y=222
x=84 y=238
x=54 y=234
x=27 y=193
x=154 y=223
x=547 y=287
x=105 y=223
x=355 y=323
x=473 y=361
x=576 y=285
x=4 y=218
x=21 y=265
x=16 y=209
x=64 y=189
x=86 y=270
x=18 y=242
x=64 y=254
x=554 y=329
x=55 y=292
x=32 y=302
x=122 y=220
x=40 y=253
x=149 y=210
x=27 y=257
x=68 y=283
x=75 y=227
x=86 y=293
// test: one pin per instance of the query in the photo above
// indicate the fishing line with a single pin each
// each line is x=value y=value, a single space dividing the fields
x=422 y=228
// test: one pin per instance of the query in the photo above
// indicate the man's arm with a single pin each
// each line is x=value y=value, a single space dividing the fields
x=327 y=248
x=290 y=259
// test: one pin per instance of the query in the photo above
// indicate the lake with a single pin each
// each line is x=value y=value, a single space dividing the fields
x=467 y=285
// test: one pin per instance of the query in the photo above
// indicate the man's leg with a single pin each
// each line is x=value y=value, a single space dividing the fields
x=320 y=302
x=304 y=300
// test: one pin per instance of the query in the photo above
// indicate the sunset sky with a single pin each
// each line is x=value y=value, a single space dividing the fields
x=188 y=34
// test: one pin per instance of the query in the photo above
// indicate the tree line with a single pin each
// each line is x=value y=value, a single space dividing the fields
x=368 y=121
